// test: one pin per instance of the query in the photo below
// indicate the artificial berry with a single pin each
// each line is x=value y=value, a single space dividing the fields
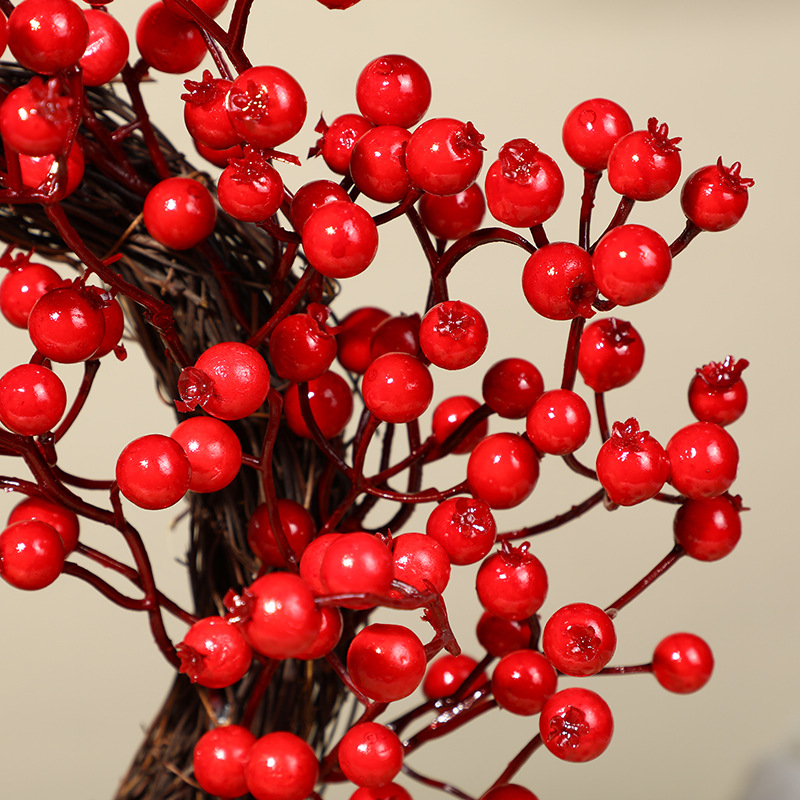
x=386 y=662
x=717 y=392
x=509 y=791
x=499 y=637
x=391 y=791
x=592 y=129
x=393 y=90
x=377 y=163
x=153 y=471
x=511 y=387
x=370 y=754
x=211 y=7
x=714 y=198
x=576 y=724
x=559 y=422
x=558 y=283
x=453 y=216
x=399 y=334
x=397 y=388
x=168 y=42
x=611 y=354
x=448 y=417
x=22 y=286
x=453 y=335
x=338 y=5
x=107 y=50
x=579 y=639
x=219 y=158
x=328 y=636
x=645 y=164
x=65 y=522
x=296 y=523
x=357 y=563
x=32 y=399
x=353 y=336
x=446 y=676
x=266 y=105
x=35 y=118
x=464 y=527
x=51 y=175
x=204 y=112
x=250 y=189
x=113 y=322
x=301 y=348
x=31 y=554
x=502 y=470
x=708 y=528
x=631 y=465
x=421 y=562
x=631 y=264
x=214 y=653
x=219 y=758
x=512 y=583
x=311 y=561
x=337 y=140
x=340 y=239
x=214 y=452
x=330 y=400
x=3 y=32
x=281 y=766
x=47 y=35
x=310 y=197
x=524 y=187
x=179 y=213
x=703 y=460
x=523 y=681
x=683 y=663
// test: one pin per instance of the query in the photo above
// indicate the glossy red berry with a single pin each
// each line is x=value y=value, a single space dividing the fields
x=267 y=106
x=714 y=198
x=453 y=335
x=703 y=460
x=399 y=334
x=631 y=465
x=309 y=197
x=107 y=50
x=337 y=140
x=204 y=112
x=281 y=766
x=21 y=287
x=301 y=347
x=579 y=639
x=512 y=583
x=631 y=264
x=503 y=470
x=453 y=216
x=393 y=90
x=32 y=400
x=357 y=563
x=167 y=42
x=211 y=7
x=328 y=636
x=47 y=35
x=338 y=5
x=298 y=529
x=31 y=554
x=464 y=527
x=717 y=392
x=42 y=172
x=35 y=118
x=592 y=129
x=353 y=337
x=419 y=560
x=250 y=189
x=391 y=791
x=3 y=33
x=311 y=561
x=509 y=791
x=340 y=239
x=511 y=387
x=214 y=653
x=219 y=758
x=502 y=636
x=709 y=528
x=214 y=452
x=331 y=403
x=219 y=158
x=179 y=213
x=645 y=164
x=397 y=388
x=524 y=187
x=559 y=422
x=558 y=283
x=386 y=662
x=153 y=471
x=370 y=754
x=377 y=163
x=448 y=417
x=523 y=681
x=113 y=322
x=683 y=663
x=611 y=354
x=576 y=724
x=446 y=675
x=62 y=519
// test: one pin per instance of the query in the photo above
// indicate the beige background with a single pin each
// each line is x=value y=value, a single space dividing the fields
x=80 y=678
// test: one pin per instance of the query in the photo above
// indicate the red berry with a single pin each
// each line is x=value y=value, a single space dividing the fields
x=579 y=639
x=502 y=636
x=153 y=471
x=357 y=563
x=446 y=675
x=41 y=172
x=3 y=33
x=511 y=387
x=592 y=129
x=214 y=653
x=576 y=724
x=311 y=561
x=219 y=758
x=267 y=106
x=398 y=334
x=464 y=527
x=420 y=560
x=47 y=35
x=389 y=792
x=631 y=465
x=339 y=5
x=179 y=213
x=204 y=112
x=211 y=7
x=524 y=186
x=249 y=188
x=397 y=388
x=353 y=336
x=645 y=164
x=453 y=335
x=447 y=418
x=386 y=662
x=35 y=118
x=631 y=264
x=331 y=403
x=32 y=400
x=301 y=347
x=453 y=216
x=219 y=158
x=310 y=197
x=62 y=519
x=214 y=452
x=327 y=637
x=337 y=140
x=298 y=530
x=523 y=681
x=21 y=287
x=503 y=470
x=168 y=42
x=113 y=321
x=31 y=554
x=558 y=282
x=281 y=766
x=611 y=354
x=512 y=583
x=393 y=90
x=509 y=791
x=717 y=392
x=683 y=663
x=714 y=198
x=107 y=50
x=559 y=422
x=370 y=754
x=377 y=163
x=708 y=528
x=703 y=460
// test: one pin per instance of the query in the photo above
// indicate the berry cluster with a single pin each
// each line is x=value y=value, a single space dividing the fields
x=260 y=397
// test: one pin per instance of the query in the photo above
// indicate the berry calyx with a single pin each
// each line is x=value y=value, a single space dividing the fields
x=464 y=527
x=611 y=354
x=337 y=140
x=250 y=188
x=717 y=392
x=579 y=639
x=576 y=724
x=714 y=198
x=453 y=335
x=35 y=118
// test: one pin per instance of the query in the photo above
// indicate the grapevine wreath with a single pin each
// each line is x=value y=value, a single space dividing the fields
x=303 y=435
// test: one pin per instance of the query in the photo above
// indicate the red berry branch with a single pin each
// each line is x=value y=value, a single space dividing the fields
x=231 y=287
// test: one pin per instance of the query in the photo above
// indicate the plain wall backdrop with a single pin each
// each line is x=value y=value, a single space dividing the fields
x=80 y=678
